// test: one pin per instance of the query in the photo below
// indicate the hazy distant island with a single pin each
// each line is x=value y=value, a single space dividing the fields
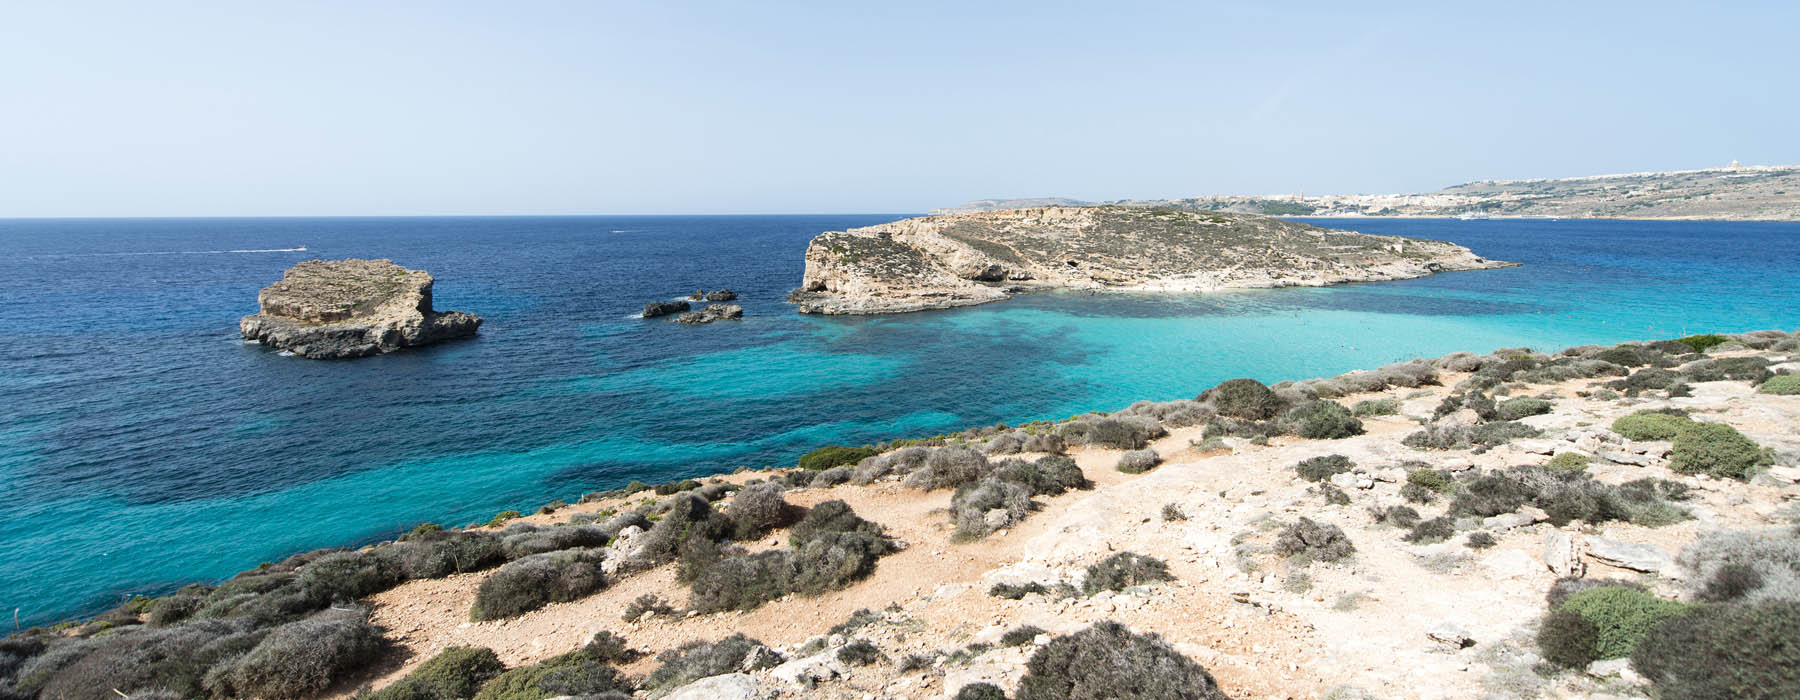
x=1736 y=193
x=336 y=309
x=974 y=258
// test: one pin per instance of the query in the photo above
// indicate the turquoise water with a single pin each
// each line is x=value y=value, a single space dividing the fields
x=143 y=446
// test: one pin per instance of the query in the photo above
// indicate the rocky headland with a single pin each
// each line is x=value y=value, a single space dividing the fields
x=965 y=259
x=335 y=309
x=1595 y=522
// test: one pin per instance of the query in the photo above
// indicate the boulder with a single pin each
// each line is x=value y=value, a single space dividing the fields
x=712 y=312
x=731 y=686
x=1562 y=554
x=336 y=309
x=664 y=308
x=721 y=295
x=1647 y=558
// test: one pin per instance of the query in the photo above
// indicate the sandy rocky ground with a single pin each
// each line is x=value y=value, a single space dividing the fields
x=1395 y=621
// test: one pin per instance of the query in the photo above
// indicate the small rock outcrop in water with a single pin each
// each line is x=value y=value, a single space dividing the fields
x=717 y=295
x=712 y=312
x=664 y=308
x=333 y=309
x=964 y=259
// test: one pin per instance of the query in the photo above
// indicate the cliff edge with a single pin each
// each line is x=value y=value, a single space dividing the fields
x=974 y=258
x=335 y=309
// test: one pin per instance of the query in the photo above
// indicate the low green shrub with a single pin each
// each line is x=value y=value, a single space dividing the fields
x=971 y=505
x=948 y=468
x=1716 y=449
x=1702 y=343
x=301 y=658
x=1109 y=662
x=501 y=517
x=1724 y=652
x=1649 y=425
x=1522 y=407
x=1124 y=570
x=1322 y=468
x=1138 y=461
x=1050 y=475
x=1748 y=369
x=1020 y=636
x=1375 y=407
x=1243 y=398
x=1781 y=385
x=674 y=487
x=455 y=673
x=1414 y=493
x=1480 y=540
x=1568 y=639
x=859 y=653
x=1621 y=616
x=1398 y=516
x=759 y=508
x=696 y=660
x=1431 y=479
x=835 y=456
x=980 y=691
x=579 y=673
x=1569 y=461
x=1432 y=531
x=1321 y=420
x=536 y=581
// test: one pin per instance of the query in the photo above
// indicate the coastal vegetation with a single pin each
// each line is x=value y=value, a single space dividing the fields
x=1519 y=450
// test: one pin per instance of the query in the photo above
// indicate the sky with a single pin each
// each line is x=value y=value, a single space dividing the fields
x=264 y=108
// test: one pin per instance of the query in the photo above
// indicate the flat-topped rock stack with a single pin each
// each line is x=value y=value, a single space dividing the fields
x=336 y=309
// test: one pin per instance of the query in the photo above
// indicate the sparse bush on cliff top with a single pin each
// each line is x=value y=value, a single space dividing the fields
x=133 y=659
x=536 y=581
x=834 y=456
x=1716 y=449
x=1522 y=407
x=948 y=467
x=1322 y=468
x=1702 y=343
x=1571 y=461
x=455 y=673
x=970 y=507
x=1124 y=570
x=1632 y=355
x=1050 y=475
x=301 y=658
x=696 y=660
x=1313 y=541
x=1243 y=398
x=690 y=520
x=1122 y=432
x=1650 y=425
x=832 y=548
x=529 y=540
x=1451 y=436
x=1621 y=617
x=759 y=508
x=1109 y=662
x=832 y=477
x=1138 y=461
x=1750 y=369
x=1732 y=652
x=1321 y=420
x=1644 y=380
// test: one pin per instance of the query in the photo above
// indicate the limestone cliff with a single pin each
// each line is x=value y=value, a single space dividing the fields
x=974 y=258
x=333 y=309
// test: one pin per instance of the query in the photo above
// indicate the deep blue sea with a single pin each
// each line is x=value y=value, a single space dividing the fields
x=143 y=445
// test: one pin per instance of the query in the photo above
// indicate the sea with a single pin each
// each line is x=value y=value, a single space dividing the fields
x=144 y=445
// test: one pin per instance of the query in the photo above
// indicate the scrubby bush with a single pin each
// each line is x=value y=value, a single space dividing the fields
x=1333 y=495
x=1122 y=432
x=1048 y=443
x=833 y=516
x=1323 y=467
x=1243 y=398
x=1650 y=425
x=1702 y=343
x=1724 y=653
x=947 y=468
x=1454 y=436
x=1017 y=591
x=834 y=456
x=1716 y=449
x=584 y=673
x=1414 y=493
x=1568 y=639
x=674 y=487
x=1398 y=516
x=1569 y=461
x=646 y=603
x=1172 y=513
x=1634 y=356
x=973 y=502
x=527 y=540
x=1124 y=570
x=696 y=660
x=859 y=653
x=1522 y=407
x=1020 y=635
x=1321 y=420
x=1645 y=380
x=690 y=522
x=1109 y=662
x=980 y=691
x=1313 y=541
x=1480 y=540
x=1745 y=566
x=832 y=477
x=1050 y=475
x=759 y=508
x=1621 y=617
x=455 y=673
x=1005 y=444
x=1138 y=461
x=536 y=581
x=832 y=548
x=1432 y=531
x=173 y=659
x=301 y=658
x=1375 y=407
x=1781 y=385
x=1431 y=479
x=1750 y=369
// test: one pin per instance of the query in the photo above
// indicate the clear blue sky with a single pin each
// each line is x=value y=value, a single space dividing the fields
x=378 y=107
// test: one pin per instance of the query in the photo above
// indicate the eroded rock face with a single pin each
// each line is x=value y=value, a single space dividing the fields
x=964 y=259
x=664 y=308
x=334 y=309
x=712 y=312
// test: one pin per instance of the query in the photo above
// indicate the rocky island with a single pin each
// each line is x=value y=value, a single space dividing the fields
x=978 y=257
x=335 y=309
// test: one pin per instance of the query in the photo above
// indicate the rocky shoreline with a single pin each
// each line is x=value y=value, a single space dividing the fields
x=966 y=259
x=1281 y=539
x=339 y=309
